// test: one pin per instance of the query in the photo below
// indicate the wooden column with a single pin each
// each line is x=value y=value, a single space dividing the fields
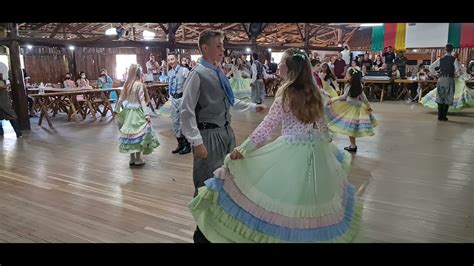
x=171 y=38
x=306 y=38
x=71 y=62
x=253 y=45
x=340 y=35
x=20 y=103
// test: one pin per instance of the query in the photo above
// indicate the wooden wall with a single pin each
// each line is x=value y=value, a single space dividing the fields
x=464 y=53
x=45 y=64
x=49 y=64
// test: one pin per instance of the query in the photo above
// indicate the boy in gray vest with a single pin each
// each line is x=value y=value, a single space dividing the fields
x=205 y=111
x=449 y=67
x=257 y=84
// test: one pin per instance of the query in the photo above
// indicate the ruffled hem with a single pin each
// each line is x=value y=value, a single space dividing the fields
x=351 y=132
x=267 y=203
x=274 y=218
x=458 y=103
x=243 y=187
x=221 y=222
x=351 y=127
x=146 y=146
x=242 y=94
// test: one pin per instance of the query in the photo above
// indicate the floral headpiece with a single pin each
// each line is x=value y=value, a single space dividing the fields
x=300 y=53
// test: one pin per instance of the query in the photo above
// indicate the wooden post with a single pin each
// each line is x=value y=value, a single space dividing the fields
x=253 y=44
x=71 y=62
x=306 y=38
x=340 y=35
x=19 y=98
x=171 y=38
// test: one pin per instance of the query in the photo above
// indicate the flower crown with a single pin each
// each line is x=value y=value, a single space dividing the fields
x=300 y=53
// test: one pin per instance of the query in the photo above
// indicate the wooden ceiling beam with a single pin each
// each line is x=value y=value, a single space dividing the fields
x=55 y=31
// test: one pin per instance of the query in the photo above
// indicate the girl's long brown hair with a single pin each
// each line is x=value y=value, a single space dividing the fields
x=134 y=75
x=299 y=92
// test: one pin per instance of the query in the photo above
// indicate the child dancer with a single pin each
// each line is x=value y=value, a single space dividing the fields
x=329 y=81
x=349 y=117
x=136 y=134
x=240 y=85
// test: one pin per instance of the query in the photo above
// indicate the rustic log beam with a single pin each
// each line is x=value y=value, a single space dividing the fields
x=19 y=98
x=108 y=42
x=300 y=32
x=74 y=31
x=55 y=31
x=306 y=37
x=314 y=30
x=148 y=29
x=174 y=27
x=230 y=26
x=37 y=27
x=349 y=36
x=192 y=30
x=171 y=37
x=163 y=28
x=96 y=27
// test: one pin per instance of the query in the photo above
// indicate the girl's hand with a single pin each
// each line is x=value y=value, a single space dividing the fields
x=235 y=155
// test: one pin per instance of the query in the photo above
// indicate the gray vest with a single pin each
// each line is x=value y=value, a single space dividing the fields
x=259 y=69
x=446 y=65
x=212 y=106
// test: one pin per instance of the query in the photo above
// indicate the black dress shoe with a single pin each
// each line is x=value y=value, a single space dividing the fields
x=186 y=149
x=177 y=148
x=181 y=144
x=351 y=149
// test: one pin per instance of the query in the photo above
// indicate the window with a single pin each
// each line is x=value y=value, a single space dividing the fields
x=195 y=57
x=5 y=60
x=277 y=56
x=123 y=63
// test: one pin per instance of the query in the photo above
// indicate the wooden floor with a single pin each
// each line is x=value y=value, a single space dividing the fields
x=70 y=183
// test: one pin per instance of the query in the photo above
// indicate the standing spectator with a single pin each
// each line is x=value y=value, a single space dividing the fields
x=152 y=66
x=401 y=62
x=389 y=57
x=339 y=66
x=346 y=55
x=367 y=62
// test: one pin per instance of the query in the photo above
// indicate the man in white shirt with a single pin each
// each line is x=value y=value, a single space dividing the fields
x=346 y=55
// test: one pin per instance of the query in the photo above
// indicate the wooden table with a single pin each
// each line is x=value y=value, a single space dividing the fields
x=425 y=85
x=368 y=82
x=271 y=84
x=66 y=100
x=158 y=92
